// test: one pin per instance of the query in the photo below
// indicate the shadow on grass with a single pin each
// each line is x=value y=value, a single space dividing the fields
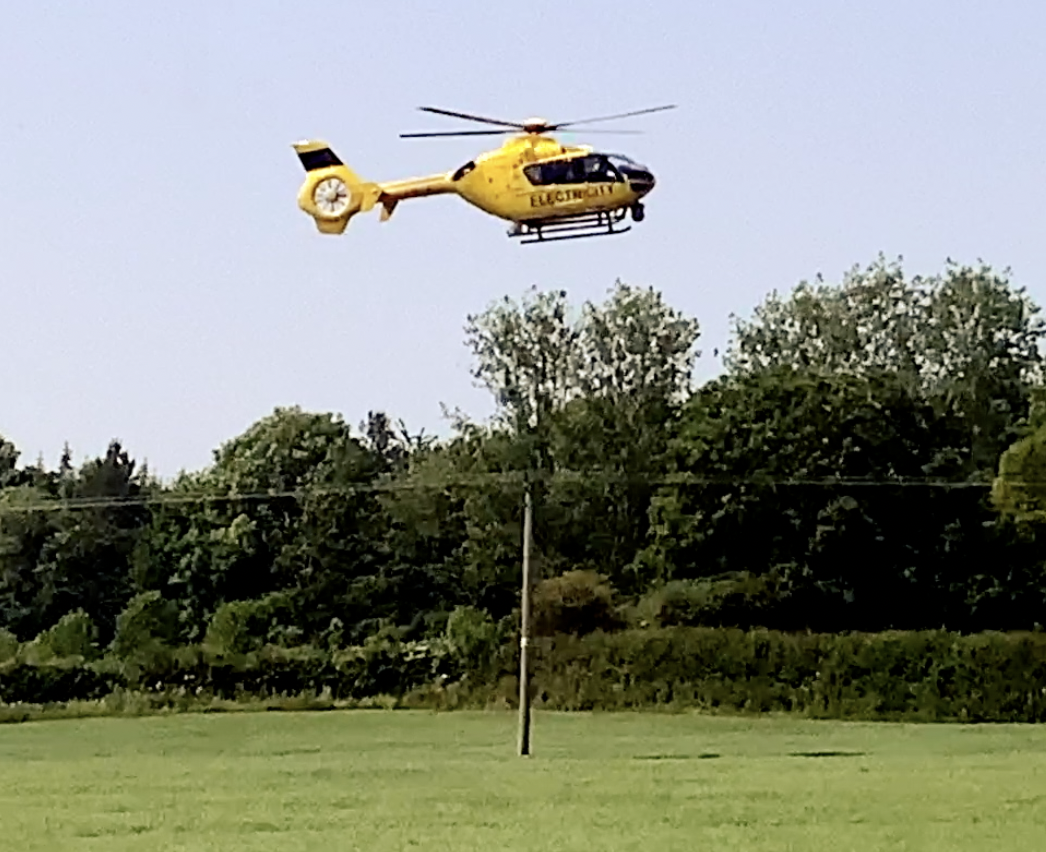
x=826 y=754
x=711 y=755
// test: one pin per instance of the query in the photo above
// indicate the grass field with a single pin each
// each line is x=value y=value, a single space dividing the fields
x=376 y=780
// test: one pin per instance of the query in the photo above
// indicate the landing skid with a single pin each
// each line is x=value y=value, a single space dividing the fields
x=578 y=227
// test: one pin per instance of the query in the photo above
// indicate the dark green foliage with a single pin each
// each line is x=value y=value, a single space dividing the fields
x=797 y=469
x=576 y=602
x=56 y=682
x=322 y=549
x=925 y=676
x=835 y=479
x=240 y=627
x=55 y=560
x=965 y=339
x=594 y=391
x=9 y=645
x=743 y=601
x=381 y=667
x=75 y=635
x=921 y=676
x=8 y=463
x=148 y=622
x=1019 y=491
x=473 y=639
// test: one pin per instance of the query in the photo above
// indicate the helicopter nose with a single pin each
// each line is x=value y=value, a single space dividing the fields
x=641 y=180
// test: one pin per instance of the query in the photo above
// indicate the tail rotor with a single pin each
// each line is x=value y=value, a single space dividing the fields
x=332 y=193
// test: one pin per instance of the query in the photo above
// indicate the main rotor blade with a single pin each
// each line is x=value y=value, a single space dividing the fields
x=609 y=117
x=468 y=117
x=599 y=130
x=457 y=133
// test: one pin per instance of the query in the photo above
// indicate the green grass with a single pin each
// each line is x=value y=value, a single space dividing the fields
x=376 y=780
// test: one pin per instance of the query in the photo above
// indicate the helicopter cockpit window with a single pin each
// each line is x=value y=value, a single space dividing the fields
x=598 y=169
x=621 y=161
x=464 y=170
x=593 y=168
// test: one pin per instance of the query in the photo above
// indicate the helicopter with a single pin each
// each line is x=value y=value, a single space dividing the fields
x=547 y=190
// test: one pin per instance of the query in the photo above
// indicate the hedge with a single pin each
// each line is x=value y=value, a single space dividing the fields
x=926 y=676
x=387 y=669
x=918 y=676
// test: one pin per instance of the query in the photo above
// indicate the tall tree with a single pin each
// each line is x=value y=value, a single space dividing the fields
x=636 y=348
x=809 y=474
x=636 y=367
x=593 y=390
x=967 y=339
x=285 y=507
x=69 y=542
x=8 y=462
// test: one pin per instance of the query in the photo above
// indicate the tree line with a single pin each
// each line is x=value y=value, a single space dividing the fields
x=872 y=457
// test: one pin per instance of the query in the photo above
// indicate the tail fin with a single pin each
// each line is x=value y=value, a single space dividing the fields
x=332 y=193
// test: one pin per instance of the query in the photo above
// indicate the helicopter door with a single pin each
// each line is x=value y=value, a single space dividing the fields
x=589 y=169
x=568 y=183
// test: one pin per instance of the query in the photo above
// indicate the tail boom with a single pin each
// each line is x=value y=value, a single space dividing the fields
x=332 y=193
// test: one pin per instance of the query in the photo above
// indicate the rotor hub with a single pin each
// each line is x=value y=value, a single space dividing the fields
x=535 y=125
x=331 y=196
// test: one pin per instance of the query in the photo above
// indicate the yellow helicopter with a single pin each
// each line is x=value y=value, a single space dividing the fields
x=548 y=191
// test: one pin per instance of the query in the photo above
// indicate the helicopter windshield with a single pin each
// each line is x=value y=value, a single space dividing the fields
x=593 y=168
x=620 y=160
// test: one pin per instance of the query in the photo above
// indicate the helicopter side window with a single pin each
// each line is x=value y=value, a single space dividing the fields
x=547 y=174
x=464 y=170
x=589 y=169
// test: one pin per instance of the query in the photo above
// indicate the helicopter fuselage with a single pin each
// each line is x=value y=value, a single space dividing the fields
x=534 y=178
x=531 y=180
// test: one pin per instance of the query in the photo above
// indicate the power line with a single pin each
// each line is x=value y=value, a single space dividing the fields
x=232 y=496
x=597 y=477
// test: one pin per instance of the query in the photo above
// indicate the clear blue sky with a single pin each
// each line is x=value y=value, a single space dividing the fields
x=159 y=284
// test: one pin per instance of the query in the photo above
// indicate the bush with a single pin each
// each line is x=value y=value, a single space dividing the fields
x=75 y=635
x=577 y=602
x=146 y=623
x=9 y=646
x=240 y=627
x=473 y=638
x=741 y=600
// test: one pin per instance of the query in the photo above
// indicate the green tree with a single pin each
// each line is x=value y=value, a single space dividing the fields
x=791 y=473
x=8 y=462
x=1019 y=490
x=576 y=602
x=286 y=507
x=966 y=339
x=473 y=637
x=526 y=354
x=594 y=390
x=637 y=357
x=455 y=525
x=68 y=539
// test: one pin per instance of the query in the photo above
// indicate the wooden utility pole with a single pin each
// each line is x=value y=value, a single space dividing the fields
x=524 y=631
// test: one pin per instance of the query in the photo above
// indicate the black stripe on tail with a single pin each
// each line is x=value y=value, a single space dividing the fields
x=320 y=159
